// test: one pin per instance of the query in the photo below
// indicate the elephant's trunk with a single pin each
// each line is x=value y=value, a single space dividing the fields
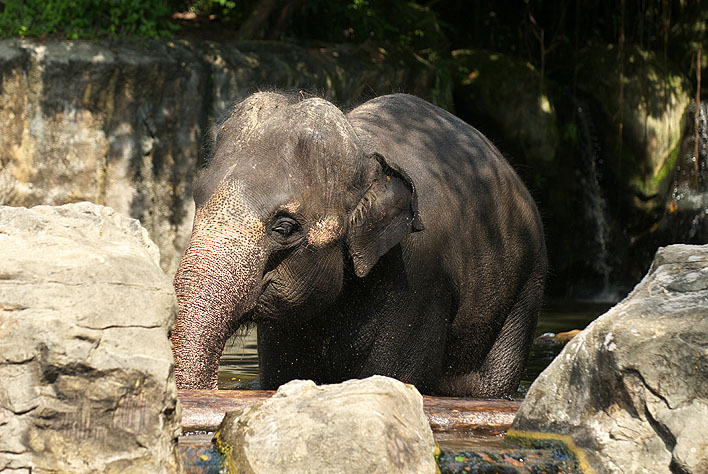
x=218 y=280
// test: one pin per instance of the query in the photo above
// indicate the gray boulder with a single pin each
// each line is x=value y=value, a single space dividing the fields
x=86 y=368
x=631 y=390
x=375 y=425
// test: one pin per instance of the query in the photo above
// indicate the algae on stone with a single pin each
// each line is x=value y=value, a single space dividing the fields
x=650 y=110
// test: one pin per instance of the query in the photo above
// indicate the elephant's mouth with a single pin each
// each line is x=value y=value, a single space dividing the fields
x=273 y=306
x=259 y=311
x=286 y=301
x=267 y=304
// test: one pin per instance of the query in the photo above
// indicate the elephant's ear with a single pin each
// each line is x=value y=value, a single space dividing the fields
x=387 y=212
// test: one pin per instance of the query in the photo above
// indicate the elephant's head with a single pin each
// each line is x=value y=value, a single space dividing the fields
x=286 y=204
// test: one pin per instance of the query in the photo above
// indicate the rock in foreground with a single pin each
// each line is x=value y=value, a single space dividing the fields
x=375 y=425
x=631 y=391
x=85 y=363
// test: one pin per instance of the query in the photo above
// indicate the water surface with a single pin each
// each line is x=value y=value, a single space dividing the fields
x=238 y=368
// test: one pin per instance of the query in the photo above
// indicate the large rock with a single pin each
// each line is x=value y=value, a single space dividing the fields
x=375 y=425
x=631 y=390
x=85 y=362
x=119 y=122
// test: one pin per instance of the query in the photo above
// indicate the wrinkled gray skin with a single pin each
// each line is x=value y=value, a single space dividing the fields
x=395 y=240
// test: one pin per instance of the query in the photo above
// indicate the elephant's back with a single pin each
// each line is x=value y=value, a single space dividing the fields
x=471 y=201
x=437 y=149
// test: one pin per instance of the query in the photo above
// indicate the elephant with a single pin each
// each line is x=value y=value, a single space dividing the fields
x=394 y=240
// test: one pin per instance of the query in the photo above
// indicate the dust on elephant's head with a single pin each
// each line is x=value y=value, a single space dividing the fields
x=286 y=204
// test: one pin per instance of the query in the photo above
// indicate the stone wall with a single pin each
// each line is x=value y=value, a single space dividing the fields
x=119 y=123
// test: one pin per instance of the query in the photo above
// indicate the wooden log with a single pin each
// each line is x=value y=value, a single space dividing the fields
x=470 y=416
x=203 y=410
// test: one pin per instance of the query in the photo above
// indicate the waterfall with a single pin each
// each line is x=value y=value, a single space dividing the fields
x=594 y=202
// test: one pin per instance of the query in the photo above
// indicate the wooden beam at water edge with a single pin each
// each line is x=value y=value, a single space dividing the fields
x=203 y=410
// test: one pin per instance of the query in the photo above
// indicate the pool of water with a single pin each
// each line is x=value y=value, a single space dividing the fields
x=556 y=318
x=238 y=369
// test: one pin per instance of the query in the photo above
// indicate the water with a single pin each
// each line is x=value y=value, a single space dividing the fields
x=594 y=202
x=689 y=184
x=686 y=216
x=690 y=180
x=199 y=456
x=238 y=369
x=556 y=318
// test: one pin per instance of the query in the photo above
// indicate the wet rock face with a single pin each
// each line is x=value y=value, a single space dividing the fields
x=632 y=389
x=111 y=123
x=504 y=96
x=375 y=425
x=85 y=362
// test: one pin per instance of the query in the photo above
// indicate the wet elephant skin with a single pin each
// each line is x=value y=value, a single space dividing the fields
x=392 y=240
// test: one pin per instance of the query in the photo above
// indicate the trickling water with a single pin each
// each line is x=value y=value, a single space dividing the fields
x=595 y=204
x=702 y=157
x=690 y=181
x=689 y=186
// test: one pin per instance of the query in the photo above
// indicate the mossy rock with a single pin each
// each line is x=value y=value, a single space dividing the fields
x=647 y=104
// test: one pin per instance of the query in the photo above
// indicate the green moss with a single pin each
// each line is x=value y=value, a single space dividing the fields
x=540 y=440
x=224 y=449
x=653 y=184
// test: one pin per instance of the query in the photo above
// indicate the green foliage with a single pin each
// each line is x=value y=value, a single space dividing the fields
x=406 y=23
x=85 y=18
x=225 y=10
x=549 y=34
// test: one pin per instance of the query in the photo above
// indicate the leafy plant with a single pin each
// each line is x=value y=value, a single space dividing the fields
x=225 y=9
x=86 y=18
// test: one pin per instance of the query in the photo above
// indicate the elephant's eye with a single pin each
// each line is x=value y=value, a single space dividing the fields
x=285 y=226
